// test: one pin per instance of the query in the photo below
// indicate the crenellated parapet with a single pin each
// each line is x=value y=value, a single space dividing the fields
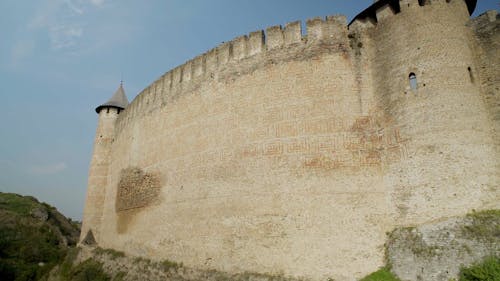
x=385 y=9
x=240 y=55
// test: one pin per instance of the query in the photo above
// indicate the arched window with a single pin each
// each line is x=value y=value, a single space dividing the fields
x=413 y=81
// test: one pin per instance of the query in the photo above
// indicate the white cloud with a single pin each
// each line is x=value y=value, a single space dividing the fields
x=71 y=29
x=21 y=50
x=74 y=7
x=49 y=169
x=45 y=14
x=62 y=20
x=63 y=36
x=97 y=3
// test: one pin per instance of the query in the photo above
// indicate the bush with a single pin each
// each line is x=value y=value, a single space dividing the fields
x=88 y=270
x=488 y=270
x=22 y=247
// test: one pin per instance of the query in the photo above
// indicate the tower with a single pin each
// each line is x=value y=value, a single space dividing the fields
x=423 y=83
x=98 y=172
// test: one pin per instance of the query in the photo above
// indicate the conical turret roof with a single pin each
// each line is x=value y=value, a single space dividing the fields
x=118 y=100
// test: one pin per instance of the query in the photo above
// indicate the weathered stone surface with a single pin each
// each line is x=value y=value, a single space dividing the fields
x=436 y=251
x=297 y=156
x=136 y=189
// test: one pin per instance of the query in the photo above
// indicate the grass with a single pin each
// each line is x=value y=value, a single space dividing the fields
x=120 y=276
x=166 y=265
x=114 y=254
x=30 y=247
x=18 y=204
x=89 y=270
x=488 y=270
x=68 y=261
x=383 y=274
x=22 y=247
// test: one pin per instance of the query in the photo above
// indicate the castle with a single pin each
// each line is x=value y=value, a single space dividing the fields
x=296 y=152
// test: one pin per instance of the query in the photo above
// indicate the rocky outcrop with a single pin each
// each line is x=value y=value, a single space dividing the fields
x=437 y=251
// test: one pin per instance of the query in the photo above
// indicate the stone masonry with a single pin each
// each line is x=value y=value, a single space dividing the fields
x=279 y=152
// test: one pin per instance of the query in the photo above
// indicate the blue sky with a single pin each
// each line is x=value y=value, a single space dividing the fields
x=59 y=59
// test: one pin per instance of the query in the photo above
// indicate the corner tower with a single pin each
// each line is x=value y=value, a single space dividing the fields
x=424 y=70
x=98 y=172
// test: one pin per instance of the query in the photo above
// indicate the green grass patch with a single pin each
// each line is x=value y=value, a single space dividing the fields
x=383 y=274
x=488 y=270
x=18 y=204
x=114 y=254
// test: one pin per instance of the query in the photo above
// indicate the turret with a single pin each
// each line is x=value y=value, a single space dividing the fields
x=423 y=69
x=98 y=172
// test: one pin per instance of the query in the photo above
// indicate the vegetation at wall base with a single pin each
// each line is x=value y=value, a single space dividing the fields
x=488 y=270
x=37 y=243
x=89 y=270
x=114 y=254
x=383 y=274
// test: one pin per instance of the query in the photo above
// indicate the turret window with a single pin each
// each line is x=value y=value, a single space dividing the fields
x=413 y=81
x=471 y=75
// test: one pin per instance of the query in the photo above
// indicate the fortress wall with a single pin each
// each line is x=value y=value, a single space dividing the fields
x=363 y=51
x=450 y=166
x=226 y=59
x=487 y=31
x=259 y=162
x=283 y=153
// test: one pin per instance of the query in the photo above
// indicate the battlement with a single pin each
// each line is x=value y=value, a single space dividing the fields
x=259 y=45
x=383 y=9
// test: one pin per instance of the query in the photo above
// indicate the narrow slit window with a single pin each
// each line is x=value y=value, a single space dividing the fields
x=413 y=81
x=471 y=75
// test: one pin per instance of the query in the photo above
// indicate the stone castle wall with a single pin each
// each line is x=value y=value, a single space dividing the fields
x=290 y=153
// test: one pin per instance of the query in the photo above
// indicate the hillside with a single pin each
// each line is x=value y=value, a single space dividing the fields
x=34 y=237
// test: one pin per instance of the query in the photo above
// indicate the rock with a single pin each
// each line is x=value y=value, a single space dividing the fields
x=40 y=213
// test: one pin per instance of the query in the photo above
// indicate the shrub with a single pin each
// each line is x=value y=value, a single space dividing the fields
x=488 y=270
x=88 y=270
